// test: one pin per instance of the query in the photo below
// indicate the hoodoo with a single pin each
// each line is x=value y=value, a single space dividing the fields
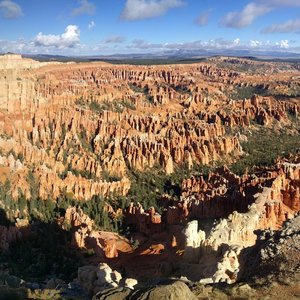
x=134 y=180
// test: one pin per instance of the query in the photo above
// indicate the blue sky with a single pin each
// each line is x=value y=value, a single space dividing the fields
x=80 y=27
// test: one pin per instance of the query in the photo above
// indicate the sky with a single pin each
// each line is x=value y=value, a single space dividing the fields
x=103 y=27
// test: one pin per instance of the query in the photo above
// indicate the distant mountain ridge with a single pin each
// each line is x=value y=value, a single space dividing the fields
x=172 y=55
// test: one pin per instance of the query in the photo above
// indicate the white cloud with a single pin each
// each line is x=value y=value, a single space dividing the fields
x=255 y=43
x=203 y=18
x=115 y=39
x=283 y=44
x=145 y=9
x=69 y=39
x=196 y=45
x=267 y=45
x=85 y=7
x=237 y=41
x=281 y=2
x=91 y=25
x=289 y=26
x=17 y=46
x=243 y=18
x=142 y=44
x=10 y=9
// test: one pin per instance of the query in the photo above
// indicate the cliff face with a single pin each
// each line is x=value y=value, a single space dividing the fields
x=16 y=94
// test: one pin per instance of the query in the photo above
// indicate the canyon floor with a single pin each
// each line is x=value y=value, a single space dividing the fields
x=149 y=181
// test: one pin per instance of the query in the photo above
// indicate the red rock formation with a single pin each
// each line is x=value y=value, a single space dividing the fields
x=223 y=192
x=110 y=248
x=147 y=222
x=70 y=117
x=86 y=236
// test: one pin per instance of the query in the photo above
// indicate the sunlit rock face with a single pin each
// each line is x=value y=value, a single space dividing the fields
x=217 y=254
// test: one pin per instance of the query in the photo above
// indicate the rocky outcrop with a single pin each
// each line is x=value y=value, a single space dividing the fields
x=110 y=248
x=275 y=192
x=85 y=235
x=173 y=290
x=95 y=278
x=147 y=222
x=269 y=197
x=274 y=257
x=194 y=238
x=76 y=218
x=217 y=254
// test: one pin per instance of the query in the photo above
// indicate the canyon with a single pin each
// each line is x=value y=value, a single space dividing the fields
x=170 y=171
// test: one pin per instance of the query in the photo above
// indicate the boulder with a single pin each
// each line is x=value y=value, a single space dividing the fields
x=96 y=278
x=130 y=283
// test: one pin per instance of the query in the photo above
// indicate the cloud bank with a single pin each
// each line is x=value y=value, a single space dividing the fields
x=10 y=10
x=85 y=7
x=115 y=39
x=287 y=27
x=203 y=18
x=281 y=2
x=245 y=17
x=146 y=9
x=69 y=44
x=212 y=45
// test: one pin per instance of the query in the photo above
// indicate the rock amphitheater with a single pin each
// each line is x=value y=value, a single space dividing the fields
x=80 y=131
